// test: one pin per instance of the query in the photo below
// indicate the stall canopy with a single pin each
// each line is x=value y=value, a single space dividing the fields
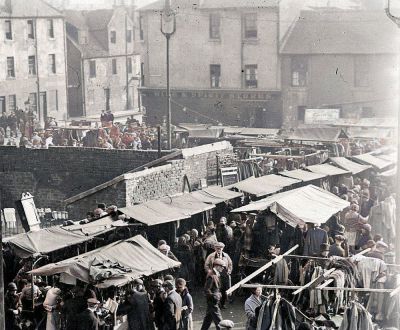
x=302 y=175
x=389 y=173
x=215 y=195
x=94 y=228
x=349 y=165
x=264 y=185
x=318 y=134
x=44 y=241
x=327 y=169
x=377 y=162
x=297 y=206
x=165 y=210
x=115 y=264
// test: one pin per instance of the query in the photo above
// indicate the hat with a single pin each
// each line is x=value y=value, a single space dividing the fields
x=324 y=247
x=161 y=242
x=93 y=301
x=168 y=284
x=382 y=244
x=219 y=262
x=219 y=245
x=137 y=281
x=168 y=277
x=370 y=243
x=339 y=237
x=366 y=226
x=12 y=286
x=226 y=324
x=156 y=282
x=233 y=224
x=341 y=229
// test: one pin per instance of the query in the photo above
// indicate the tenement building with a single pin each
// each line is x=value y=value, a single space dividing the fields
x=344 y=60
x=103 y=66
x=32 y=59
x=223 y=62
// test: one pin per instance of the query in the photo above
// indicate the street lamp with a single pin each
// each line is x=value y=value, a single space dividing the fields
x=168 y=28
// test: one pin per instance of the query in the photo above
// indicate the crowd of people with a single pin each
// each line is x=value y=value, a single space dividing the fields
x=22 y=129
x=355 y=247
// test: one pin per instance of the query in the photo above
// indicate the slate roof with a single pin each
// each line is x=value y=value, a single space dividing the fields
x=210 y=4
x=341 y=32
x=95 y=22
x=36 y=8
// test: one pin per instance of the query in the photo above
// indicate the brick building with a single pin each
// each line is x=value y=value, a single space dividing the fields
x=223 y=62
x=103 y=66
x=32 y=58
x=340 y=59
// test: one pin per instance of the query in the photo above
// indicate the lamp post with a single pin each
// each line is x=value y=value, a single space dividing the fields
x=396 y=20
x=168 y=28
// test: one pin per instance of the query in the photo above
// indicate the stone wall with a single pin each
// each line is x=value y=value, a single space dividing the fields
x=54 y=174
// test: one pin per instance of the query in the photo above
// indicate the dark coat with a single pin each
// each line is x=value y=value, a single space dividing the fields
x=172 y=311
x=138 y=311
x=87 y=320
x=335 y=250
x=314 y=238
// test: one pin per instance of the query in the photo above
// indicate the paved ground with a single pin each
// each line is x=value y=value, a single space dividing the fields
x=234 y=311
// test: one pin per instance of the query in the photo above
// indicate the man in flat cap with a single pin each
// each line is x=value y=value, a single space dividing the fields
x=172 y=307
x=226 y=272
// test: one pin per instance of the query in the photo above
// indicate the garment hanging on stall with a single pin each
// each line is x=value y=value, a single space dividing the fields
x=356 y=317
x=276 y=313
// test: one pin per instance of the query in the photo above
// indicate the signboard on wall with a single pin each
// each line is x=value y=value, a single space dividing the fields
x=321 y=116
x=28 y=213
x=229 y=175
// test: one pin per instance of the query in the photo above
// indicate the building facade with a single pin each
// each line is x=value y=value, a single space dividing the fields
x=224 y=65
x=340 y=59
x=103 y=66
x=32 y=59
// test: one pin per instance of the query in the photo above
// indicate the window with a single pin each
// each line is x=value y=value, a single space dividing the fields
x=31 y=65
x=50 y=28
x=251 y=76
x=107 y=98
x=2 y=104
x=142 y=74
x=10 y=67
x=113 y=37
x=92 y=69
x=53 y=100
x=250 y=26
x=52 y=63
x=31 y=30
x=215 y=75
x=33 y=101
x=114 y=66
x=8 y=29
x=129 y=64
x=361 y=71
x=299 y=68
x=12 y=103
x=141 y=32
x=301 y=113
x=215 y=23
x=129 y=36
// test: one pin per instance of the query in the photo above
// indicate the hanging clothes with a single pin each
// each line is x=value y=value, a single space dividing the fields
x=276 y=314
x=356 y=317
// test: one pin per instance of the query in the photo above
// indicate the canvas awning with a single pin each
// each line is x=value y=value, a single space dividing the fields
x=376 y=162
x=215 y=195
x=389 y=173
x=302 y=175
x=327 y=169
x=264 y=185
x=94 y=228
x=44 y=241
x=165 y=210
x=349 y=165
x=297 y=206
x=115 y=264
x=318 y=134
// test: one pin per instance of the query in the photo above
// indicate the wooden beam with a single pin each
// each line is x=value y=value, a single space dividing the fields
x=260 y=270
x=315 y=281
x=295 y=287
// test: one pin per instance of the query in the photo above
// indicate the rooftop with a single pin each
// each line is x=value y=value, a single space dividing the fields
x=327 y=31
x=20 y=8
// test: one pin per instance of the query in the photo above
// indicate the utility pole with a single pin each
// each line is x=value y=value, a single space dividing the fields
x=168 y=28
x=396 y=20
x=2 y=316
